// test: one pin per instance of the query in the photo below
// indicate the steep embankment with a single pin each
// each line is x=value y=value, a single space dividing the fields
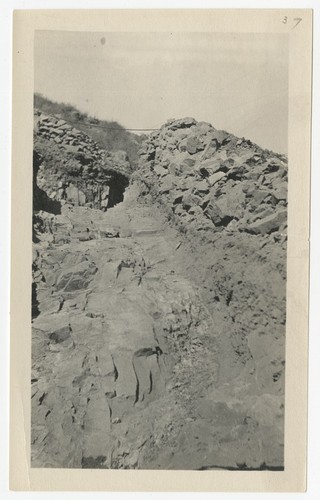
x=158 y=335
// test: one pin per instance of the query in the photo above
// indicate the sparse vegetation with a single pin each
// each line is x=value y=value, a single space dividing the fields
x=109 y=135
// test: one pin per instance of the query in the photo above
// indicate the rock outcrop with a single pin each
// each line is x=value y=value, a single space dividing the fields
x=74 y=168
x=158 y=324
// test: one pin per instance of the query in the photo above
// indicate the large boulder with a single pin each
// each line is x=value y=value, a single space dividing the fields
x=213 y=212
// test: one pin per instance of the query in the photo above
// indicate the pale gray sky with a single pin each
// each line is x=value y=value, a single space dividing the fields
x=237 y=82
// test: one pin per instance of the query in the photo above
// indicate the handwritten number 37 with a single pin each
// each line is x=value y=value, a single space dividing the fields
x=296 y=19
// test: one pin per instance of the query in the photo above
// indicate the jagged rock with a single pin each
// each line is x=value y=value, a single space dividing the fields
x=259 y=195
x=60 y=335
x=210 y=149
x=272 y=165
x=266 y=212
x=159 y=170
x=193 y=145
x=214 y=178
x=76 y=277
x=167 y=185
x=177 y=197
x=201 y=187
x=182 y=123
x=281 y=192
x=213 y=212
x=189 y=200
x=212 y=165
x=268 y=224
x=233 y=205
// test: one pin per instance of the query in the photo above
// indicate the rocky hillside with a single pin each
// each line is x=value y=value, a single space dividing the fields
x=210 y=180
x=159 y=315
x=228 y=198
x=70 y=166
x=108 y=135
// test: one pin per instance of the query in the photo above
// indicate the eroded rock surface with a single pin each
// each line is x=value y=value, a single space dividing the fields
x=158 y=325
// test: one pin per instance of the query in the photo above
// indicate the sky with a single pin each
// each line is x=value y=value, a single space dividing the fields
x=236 y=82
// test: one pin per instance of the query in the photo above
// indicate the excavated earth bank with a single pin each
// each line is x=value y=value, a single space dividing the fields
x=159 y=304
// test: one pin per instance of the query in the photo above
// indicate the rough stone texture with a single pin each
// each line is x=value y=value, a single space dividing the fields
x=71 y=167
x=119 y=331
x=234 y=248
x=159 y=325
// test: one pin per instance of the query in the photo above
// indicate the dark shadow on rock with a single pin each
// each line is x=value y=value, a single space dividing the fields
x=118 y=185
x=41 y=201
x=35 y=303
x=244 y=467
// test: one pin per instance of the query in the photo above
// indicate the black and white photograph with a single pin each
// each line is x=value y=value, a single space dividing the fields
x=159 y=250
x=166 y=248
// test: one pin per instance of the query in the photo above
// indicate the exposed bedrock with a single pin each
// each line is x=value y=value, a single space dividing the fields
x=159 y=324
